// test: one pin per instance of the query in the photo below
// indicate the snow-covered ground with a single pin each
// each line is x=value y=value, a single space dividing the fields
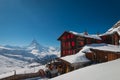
x=22 y=59
x=28 y=69
x=9 y=62
x=104 y=71
x=37 y=78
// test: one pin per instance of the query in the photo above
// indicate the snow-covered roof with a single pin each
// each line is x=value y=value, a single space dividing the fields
x=89 y=36
x=103 y=46
x=104 y=71
x=115 y=28
x=80 y=56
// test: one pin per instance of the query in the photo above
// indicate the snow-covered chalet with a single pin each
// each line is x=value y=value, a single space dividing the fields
x=73 y=42
x=82 y=49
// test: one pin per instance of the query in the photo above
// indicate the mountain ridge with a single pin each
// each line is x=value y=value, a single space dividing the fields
x=14 y=57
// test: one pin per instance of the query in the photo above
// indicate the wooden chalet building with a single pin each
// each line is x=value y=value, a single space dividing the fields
x=72 y=42
x=111 y=38
x=99 y=56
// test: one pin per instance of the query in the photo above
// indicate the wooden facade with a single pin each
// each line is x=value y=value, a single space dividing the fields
x=111 y=38
x=99 y=56
x=63 y=66
x=71 y=43
x=68 y=44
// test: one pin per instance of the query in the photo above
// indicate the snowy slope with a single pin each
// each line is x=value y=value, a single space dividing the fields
x=104 y=71
x=22 y=71
x=14 y=59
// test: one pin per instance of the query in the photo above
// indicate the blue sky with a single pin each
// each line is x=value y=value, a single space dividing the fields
x=45 y=20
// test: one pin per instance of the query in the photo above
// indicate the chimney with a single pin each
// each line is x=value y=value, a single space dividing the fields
x=98 y=33
x=85 y=32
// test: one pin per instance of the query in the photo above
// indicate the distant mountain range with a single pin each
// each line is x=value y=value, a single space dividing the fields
x=12 y=57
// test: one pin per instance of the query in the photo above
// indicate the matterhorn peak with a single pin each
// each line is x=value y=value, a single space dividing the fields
x=34 y=42
x=34 y=45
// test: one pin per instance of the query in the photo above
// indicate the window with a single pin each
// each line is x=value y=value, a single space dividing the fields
x=70 y=51
x=105 y=57
x=73 y=51
x=63 y=52
x=88 y=41
x=104 y=38
x=73 y=43
x=81 y=43
x=63 y=44
x=72 y=36
x=64 y=37
x=68 y=36
x=66 y=52
x=68 y=44
x=116 y=40
x=98 y=41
